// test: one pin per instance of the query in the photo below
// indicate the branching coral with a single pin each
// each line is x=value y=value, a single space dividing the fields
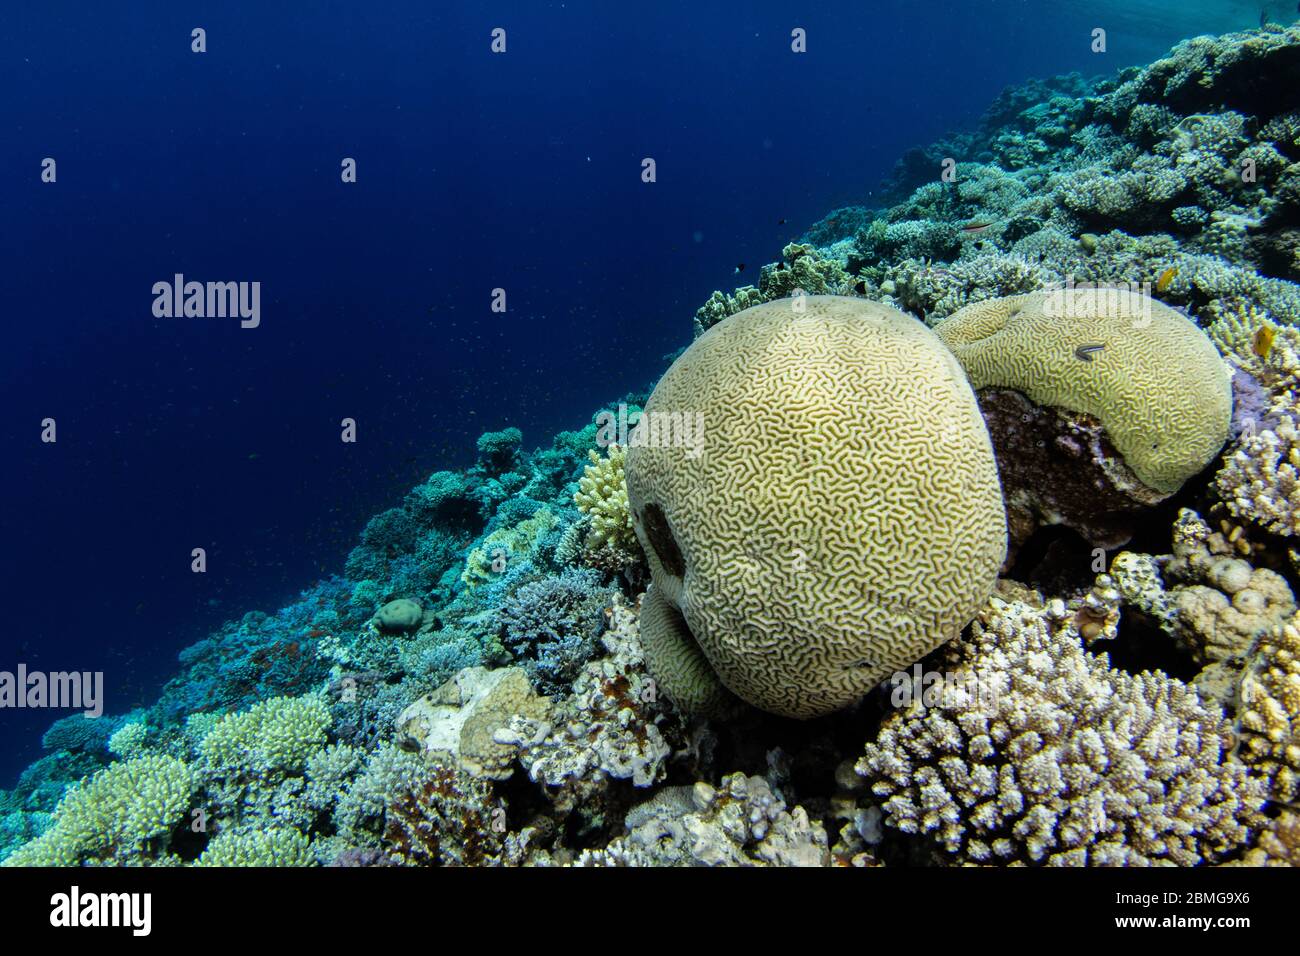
x=122 y=815
x=552 y=626
x=444 y=817
x=609 y=727
x=602 y=496
x=1269 y=715
x=1260 y=481
x=1044 y=754
x=278 y=846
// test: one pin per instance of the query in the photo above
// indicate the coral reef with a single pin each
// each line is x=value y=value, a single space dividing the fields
x=490 y=682
x=456 y=723
x=740 y=823
x=1269 y=718
x=611 y=727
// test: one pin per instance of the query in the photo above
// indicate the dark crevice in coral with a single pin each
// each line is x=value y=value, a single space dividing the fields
x=1055 y=560
x=655 y=523
x=1141 y=645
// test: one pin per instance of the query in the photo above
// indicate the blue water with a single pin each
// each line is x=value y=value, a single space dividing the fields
x=475 y=171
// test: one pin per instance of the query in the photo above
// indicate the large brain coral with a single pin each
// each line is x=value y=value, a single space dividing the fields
x=1099 y=401
x=840 y=518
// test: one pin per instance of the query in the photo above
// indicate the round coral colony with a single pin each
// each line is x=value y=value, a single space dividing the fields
x=843 y=519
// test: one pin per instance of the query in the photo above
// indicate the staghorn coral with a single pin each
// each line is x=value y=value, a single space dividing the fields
x=1268 y=720
x=742 y=822
x=1043 y=754
x=552 y=626
x=845 y=520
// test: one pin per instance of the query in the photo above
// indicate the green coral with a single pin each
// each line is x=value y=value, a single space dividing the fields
x=279 y=734
x=128 y=740
x=120 y=815
x=278 y=846
x=516 y=541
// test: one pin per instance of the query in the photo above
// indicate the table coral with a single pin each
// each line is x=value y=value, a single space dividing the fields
x=1061 y=760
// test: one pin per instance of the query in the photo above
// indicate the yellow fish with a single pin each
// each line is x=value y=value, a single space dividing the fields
x=1166 y=278
x=1262 y=340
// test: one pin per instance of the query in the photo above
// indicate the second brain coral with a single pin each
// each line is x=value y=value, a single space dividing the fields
x=1099 y=402
x=844 y=519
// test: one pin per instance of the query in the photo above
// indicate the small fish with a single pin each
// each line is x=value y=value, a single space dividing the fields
x=1166 y=278
x=740 y=267
x=780 y=266
x=860 y=287
x=1262 y=341
x=780 y=222
x=975 y=228
x=1084 y=352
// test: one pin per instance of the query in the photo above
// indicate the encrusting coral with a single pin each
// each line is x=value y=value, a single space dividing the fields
x=845 y=519
x=842 y=520
x=740 y=823
x=1205 y=595
x=1041 y=753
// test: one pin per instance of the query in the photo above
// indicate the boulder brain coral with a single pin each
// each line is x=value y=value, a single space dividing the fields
x=1157 y=386
x=843 y=519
